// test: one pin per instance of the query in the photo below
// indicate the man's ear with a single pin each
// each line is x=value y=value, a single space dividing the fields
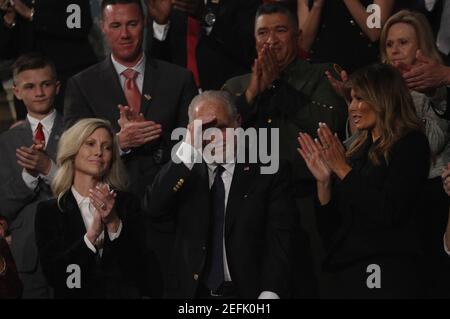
x=16 y=92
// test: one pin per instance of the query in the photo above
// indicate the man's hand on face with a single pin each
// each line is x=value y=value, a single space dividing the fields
x=160 y=10
x=34 y=159
x=194 y=135
x=135 y=131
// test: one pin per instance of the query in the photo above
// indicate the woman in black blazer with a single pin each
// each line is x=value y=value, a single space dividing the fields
x=90 y=237
x=368 y=194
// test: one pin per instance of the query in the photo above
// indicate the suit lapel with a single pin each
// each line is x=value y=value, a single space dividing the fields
x=24 y=134
x=74 y=223
x=242 y=177
x=54 y=137
x=113 y=92
x=149 y=87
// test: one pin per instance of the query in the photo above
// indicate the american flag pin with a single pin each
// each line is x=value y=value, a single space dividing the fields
x=147 y=97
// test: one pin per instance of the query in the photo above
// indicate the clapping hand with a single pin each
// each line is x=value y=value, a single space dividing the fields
x=332 y=151
x=311 y=153
x=339 y=86
x=426 y=74
x=135 y=130
x=265 y=71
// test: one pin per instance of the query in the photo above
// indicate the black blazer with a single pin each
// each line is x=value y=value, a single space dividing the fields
x=60 y=240
x=258 y=227
x=373 y=211
x=166 y=94
x=68 y=48
x=226 y=52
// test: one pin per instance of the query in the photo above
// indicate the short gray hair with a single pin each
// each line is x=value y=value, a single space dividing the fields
x=223 y=97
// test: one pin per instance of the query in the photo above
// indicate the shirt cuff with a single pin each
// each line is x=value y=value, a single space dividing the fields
x=122 y=153
x=188 y=155
x=89 y=244
x=29 y=180
x=113 y=236
x=447 y=250
x=268 y=295
x=51 y=173
x=160 y=31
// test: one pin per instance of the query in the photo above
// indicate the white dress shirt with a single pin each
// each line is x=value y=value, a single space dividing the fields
x=87 y=212
x=139 y=67
x=429 y=4
x=189 y=156
x=47 y=127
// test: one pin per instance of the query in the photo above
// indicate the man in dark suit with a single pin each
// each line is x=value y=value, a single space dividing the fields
x=161 y=92
x=157 y=95
x=49 y=27
x=213 y=38
x=27 y=165
x=233 y=223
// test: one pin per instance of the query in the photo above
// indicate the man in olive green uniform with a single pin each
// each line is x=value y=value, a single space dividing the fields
x=293 y=95
x=284 y=91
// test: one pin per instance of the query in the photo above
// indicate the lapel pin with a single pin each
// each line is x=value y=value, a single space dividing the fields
x=246 y=168
x=147 y=97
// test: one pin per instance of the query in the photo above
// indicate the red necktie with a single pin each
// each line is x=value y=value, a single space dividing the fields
x=132 y=91
x=39 y=137
x=193 y=33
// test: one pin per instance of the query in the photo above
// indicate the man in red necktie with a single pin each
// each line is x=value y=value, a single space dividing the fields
x=152 y=95
x=27 y=165
x=212 y=38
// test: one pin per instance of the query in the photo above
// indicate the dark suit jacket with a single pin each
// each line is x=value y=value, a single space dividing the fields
x=59 y=236
x=10 y=284
x=226 y=52
x=18 y=203
x=258 y=227
x=373 y=211
x=48 y=33
x=96 y=92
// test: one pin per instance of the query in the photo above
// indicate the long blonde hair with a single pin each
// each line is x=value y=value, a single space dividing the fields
x=383 y=88
x=424 y=34
x=68 y=147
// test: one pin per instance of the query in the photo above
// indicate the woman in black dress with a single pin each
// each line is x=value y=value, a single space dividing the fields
x=367 y=195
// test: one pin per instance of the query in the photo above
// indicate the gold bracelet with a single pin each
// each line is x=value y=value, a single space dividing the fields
x=3 y=270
